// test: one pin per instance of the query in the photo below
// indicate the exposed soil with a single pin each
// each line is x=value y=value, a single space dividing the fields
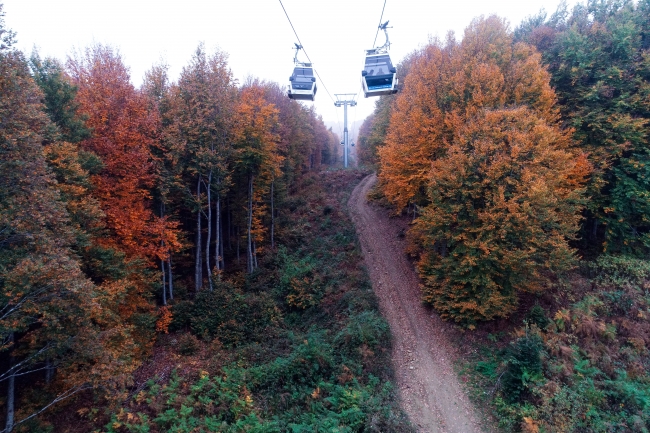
x=422 y=354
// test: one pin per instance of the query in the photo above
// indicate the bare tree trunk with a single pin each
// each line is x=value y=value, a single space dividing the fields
x=217 y=235
x=249 y=241
x=272 y=217
x=218 y=250
x=11 y=394
x=230 y=230
x=49 y=371
x=209 y=238
x=254 y=255
x=170 y=279
x=223 y=262
x=198 y=277
x=164 y=282
x=238 y=247
x=162 y=262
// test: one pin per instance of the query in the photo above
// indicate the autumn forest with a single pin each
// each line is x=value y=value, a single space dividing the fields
x=180 y=257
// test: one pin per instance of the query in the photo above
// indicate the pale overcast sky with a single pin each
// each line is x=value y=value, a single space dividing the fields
x=255 y=33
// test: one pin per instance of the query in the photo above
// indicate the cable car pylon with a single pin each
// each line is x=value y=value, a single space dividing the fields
x=343 y=100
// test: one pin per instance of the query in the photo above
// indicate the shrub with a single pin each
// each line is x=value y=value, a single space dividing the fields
x=618 y=270
x=300 y=284
x=225 y=313
x=524 y=367
x=367 y=329
x=537 y=316
x=188 y=344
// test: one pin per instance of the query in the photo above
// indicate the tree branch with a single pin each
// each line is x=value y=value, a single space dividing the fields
x=63 y=396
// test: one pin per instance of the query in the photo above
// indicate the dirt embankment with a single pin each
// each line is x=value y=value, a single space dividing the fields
x=422 y=355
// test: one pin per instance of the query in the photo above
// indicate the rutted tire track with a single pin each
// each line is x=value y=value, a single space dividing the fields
x=429 y=389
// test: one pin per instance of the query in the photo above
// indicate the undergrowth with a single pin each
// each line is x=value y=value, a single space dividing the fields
x=299 y=346
x=574 y=366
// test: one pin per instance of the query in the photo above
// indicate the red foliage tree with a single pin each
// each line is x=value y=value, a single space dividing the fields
x=124 y=131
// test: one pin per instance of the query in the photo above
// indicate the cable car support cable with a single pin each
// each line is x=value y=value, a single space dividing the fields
x=305 y=51
x=380 y=18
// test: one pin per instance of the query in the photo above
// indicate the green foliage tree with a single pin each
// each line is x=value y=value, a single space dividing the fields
x=524 y=367
x=599 y=59
x=204 y=109
x=372 y=133
x=45 y=299
x=59 y=98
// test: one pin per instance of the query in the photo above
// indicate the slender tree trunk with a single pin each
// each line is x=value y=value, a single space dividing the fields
x=223 y=262
x=238 y=246
x=11 y=394
x=162 y=262
x=198 y=277
x=249 y=239
x=164 y=282
x=170 y=279
x=217 y=234
x=230 y=230
x=209 y=237
x=49 y=370
x=272 y=217
x=218 y=250
x=254 y=255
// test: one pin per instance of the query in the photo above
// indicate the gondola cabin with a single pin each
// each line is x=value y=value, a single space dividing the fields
x=379 y=76
x=302 y=83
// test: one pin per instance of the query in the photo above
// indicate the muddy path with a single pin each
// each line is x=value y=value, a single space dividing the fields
x=428 y=386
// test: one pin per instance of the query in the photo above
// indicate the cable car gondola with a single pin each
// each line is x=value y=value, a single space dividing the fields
x=379 y=76
x=302 y=83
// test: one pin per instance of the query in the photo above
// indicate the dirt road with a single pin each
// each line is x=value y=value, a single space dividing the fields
x=429 y=389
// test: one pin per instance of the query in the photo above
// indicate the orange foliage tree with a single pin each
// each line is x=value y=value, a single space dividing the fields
x=475 y=141
x=504 y=201
x=124 y=130
x=258 y=160
x=451 y=82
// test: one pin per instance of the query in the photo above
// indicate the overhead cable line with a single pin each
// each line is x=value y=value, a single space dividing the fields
x=354 y=122
x=355 y=132
x=305 y=51
x=315 y=70
x=380 y=18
